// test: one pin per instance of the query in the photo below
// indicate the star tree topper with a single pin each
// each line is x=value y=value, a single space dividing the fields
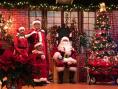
x=102 y=7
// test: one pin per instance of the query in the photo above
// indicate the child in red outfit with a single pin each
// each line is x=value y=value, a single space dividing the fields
x=21 y=45
x=40 y=66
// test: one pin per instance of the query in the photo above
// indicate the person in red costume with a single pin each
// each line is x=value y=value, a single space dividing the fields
x=38 y=37
x=65 y=56
x=39 y=62
x=21 y=45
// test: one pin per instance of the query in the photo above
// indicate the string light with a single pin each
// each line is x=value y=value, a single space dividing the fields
x=91 y=7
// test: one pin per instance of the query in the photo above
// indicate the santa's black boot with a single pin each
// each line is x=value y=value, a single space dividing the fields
x=71 y=76
x=60 y=77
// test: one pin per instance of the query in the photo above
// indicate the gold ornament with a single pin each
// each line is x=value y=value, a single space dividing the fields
x=102 y=7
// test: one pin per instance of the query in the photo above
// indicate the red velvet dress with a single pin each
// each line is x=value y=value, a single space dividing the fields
x=40 y=67
x=21 y=48
x=39 y=64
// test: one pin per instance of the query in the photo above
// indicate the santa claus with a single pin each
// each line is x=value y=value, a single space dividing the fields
x=65 y=57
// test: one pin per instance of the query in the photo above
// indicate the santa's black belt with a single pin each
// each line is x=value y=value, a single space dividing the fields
x=22 y=47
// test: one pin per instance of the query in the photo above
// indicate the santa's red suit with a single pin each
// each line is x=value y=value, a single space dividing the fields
x=21 y=47
x=65 y=63
x=65 y=56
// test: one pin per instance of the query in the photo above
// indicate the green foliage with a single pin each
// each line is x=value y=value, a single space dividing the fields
x=19 y=71
x=83 y=40
x=86 y=5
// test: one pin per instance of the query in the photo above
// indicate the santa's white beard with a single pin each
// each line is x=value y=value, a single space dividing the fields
x=65 y=47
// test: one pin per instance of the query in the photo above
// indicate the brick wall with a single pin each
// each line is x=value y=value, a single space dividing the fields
x=19 y=18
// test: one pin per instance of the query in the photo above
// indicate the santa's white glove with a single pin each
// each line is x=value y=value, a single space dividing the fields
x=60 y=57
x=72 y=60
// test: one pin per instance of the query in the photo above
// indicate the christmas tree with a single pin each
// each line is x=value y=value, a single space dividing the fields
x=102 y=45
x=103 y=60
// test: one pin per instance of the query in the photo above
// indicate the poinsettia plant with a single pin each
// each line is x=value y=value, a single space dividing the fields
x=14 y=70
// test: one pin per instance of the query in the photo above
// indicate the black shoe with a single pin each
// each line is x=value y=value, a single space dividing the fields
x=60 y=82
x=60 y=77
x=42 y=83
x=71 y=81
x=71 y=77
x=39 y=84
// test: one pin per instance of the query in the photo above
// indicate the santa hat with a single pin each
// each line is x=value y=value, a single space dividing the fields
x=37 y=44
x=36 y=21
x=65 y=38
x=21 y=28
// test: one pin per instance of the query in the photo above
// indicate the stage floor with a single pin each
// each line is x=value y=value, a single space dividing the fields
x=73 y=86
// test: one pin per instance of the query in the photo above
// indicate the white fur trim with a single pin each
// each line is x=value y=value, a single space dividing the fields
x=36 y=80
x=43 y=30
x=37 y=44
x=43 y=79
x=40 y=80
x=73 y=69
x=20 y=28
x=36 y=21
x=70 y=60
x=40 y=37
x=64 y=38
x=60 y=69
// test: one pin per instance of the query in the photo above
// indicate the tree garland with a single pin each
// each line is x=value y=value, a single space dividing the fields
x=46 y=5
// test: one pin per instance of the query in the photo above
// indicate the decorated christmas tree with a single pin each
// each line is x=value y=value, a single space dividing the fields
x=102 y=45
x=103 y=60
